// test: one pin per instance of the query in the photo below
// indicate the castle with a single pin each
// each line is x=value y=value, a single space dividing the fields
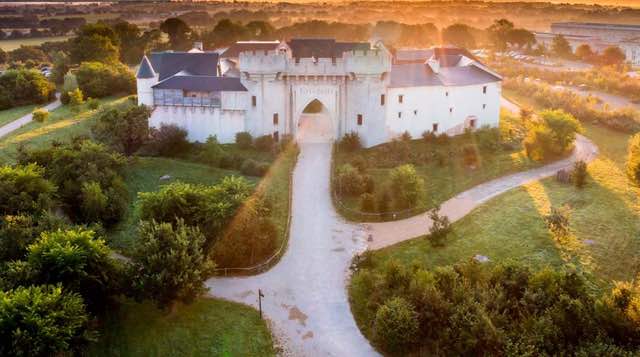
x=267 y=87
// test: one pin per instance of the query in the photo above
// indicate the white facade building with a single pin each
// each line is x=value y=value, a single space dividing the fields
x=265 y=88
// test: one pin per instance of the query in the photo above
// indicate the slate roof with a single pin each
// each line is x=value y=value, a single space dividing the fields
x=241 y=46
x=421 y=75
x=323 y=47
x=187 y=81
x=448 y=56
x=169 y=63
x=146 y=69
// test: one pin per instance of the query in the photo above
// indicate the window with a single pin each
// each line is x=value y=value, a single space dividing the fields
x=399 y=114
x=359 y=119
x=484 y=106
x=381 y=99
x=275 y=118
x=415 y=112
x=400 y=98
x=434 y=127
x=276 y=136
x=253 y=100
x=446 y=94
x=451 y=110
x=472 y=123
x=484 y=90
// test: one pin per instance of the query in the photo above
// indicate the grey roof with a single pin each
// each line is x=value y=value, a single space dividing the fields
x=448 y=56
x=323 y=47
x=234 y=50
x=146 y=69
x=186 y=81
x=421 y=75
x=199 y=63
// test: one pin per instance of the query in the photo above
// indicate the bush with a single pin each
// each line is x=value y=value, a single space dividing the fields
x=396 y=325
x=211 y=152
x=405 y=136
x=76 y=98
x=350 y=142
x=18 y=232
x=633 y=159
x=553 y=136
x=97 y=80
x=244 y=140
x=349 y=181
x=125 y=129
x=558 y=221
x=470 y=155
x=170 y=263
x=264 y=143
x=23 y=189
x=93 y=103
x=251 y=239
x=168 y=141
x=22 y=87
x=251 y=167
x=40 y=115
x=488 y=139
x=579 y=174
x=407 y=186
x=42 y=321
x=429 y=137
x=440 y=227
x=73 y=166
x=367 y=202
x=206 y=207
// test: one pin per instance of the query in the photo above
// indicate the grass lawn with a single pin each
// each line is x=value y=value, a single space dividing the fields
x=10 y=45
x=62 y=124
x=9 y=115
x=441 y=181
x=208 y=327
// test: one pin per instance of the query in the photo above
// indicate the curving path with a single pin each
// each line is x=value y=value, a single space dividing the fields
x=26 y=119
x=305 y=297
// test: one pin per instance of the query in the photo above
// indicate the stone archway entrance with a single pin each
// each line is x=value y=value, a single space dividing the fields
x=315 y=124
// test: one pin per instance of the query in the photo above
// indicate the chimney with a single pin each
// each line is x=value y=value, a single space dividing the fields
x=198 y=45
x=434 y=64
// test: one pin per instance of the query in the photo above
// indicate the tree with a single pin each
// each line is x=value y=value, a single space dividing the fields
x=24 y=86
x=260 y=30
x=17 y=232
x=499 y=33
x=521 y=38
x=95 y=43
x=612 y=55
x=97 y=80
x=3 y=56
x=633 y=159
x=227 y=32
x=459 y=35
x=124 y=129
x=579 y=174
x=552 y=136
x=561 y=47
x=396 y=324
x=24 y=190
x=406 y=185
x=170 y=262
x=178 y=32
x=76 y=259
x=584 y=52
x=440 y=227
x=169 y=140
x=28 y=53
x=42 y=321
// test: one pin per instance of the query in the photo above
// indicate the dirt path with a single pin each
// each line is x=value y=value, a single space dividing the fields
x=26 y=119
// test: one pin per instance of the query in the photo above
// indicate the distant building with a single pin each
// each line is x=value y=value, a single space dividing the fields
x=600 y=36
x=264 y=87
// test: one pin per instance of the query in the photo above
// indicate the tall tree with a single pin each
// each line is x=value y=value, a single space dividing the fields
x=499 y=33
x=521 y=38
x=612 y=55
x=458 y=35
x=561 y=47
x=95 y=42
x=178 y=31
x=584 y=52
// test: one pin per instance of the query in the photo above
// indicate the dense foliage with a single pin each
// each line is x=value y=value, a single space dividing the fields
x=23 y=86
x=406 y=185
x=97 y=80
x=170 y=262
x=552 y=135
x=475 y=309
x=123 y=129
x=17 y=233
x=88 y=177
x=23 y=189
x=168 y=140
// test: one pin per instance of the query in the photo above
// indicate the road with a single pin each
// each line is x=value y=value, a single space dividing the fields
x=22 y=121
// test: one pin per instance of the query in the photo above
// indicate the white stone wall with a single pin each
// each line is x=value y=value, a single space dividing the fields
x=201 y=122
x=144 y=90
x=270 y=95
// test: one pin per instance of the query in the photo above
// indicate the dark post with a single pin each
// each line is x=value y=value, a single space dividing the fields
x=260 y=296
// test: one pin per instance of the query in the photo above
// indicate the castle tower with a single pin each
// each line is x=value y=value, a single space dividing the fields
x=145 y=79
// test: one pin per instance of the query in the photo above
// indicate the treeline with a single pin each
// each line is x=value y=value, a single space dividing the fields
x=39 y=28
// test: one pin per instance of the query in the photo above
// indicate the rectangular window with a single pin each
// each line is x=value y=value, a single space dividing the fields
x=484 y=90
x=415 y=112
x=275 y=118
x=446 y=94
x=399 y=114
x=359 y=119
x=434 y=127
x=400 y=98
x=381 y=99
x=472 y=123
x=276 y=136
x=484 y=106
x=451 y=110
x=253 y=100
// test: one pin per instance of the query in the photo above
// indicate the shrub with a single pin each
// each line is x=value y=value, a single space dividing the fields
x=264 y=143
x=40 y=115
x=93 y=103
x=367 y=202
x=71 y=166
x=22 y=87
x=552 y=136
x=251 y=167
x=396 y=325
x=76 y=98
x=407 y=186
x=350 y=142
x=18 y=232
x=579 y=174
x=488 y=139
x=168 y=141
x=125 y=129
x=429 y=137
x=206 y=207
x=251 y=239
x=440 y=227
x=23 y=189
x=211 y=152
x=348 y=181
x=405 y=136
x=360 y=163
x=633 y=159
x=443 y=139
x=169 y=262
x=97 y=80
x=244 y=140
x=42 y=321
x=384 y=200
x=558 y=221
x=470 y=155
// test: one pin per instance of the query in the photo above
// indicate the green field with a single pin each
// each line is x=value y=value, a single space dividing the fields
x=442 y=181
x=9 y=115
x=10 y=45
x=208 y=327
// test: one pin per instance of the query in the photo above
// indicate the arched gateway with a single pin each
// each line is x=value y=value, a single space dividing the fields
x=315 y=124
